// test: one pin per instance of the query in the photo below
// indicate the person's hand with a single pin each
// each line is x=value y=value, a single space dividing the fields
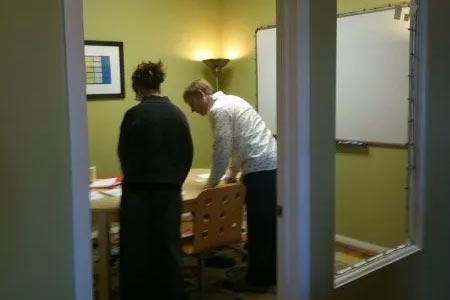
x=230 y=179
x=210 y=185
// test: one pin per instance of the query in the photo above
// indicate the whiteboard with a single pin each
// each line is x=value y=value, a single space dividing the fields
x=266 y=66
x=372 y=67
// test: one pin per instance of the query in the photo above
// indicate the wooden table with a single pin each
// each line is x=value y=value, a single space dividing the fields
x=106 y=210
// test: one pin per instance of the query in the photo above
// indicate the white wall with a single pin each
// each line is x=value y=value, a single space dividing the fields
x=38 y=256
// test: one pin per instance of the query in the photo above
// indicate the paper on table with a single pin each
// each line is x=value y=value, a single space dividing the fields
x=205 y=176
x=202 y=177
x=93 y=195
x=113 y=192
x=103 y=183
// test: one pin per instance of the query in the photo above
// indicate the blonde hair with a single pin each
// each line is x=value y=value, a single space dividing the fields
x=198 y=85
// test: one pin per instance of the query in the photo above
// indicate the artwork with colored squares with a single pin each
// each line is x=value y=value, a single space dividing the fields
x=98 y=70
x=103 y=62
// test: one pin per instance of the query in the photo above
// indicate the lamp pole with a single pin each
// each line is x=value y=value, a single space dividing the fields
x=216 y=64
x=216 y=74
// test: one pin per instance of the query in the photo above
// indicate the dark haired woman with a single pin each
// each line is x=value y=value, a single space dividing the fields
x=155 y=151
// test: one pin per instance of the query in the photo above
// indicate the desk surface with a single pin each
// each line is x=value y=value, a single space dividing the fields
x=191 y=188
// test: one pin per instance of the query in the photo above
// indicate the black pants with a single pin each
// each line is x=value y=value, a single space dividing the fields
x=150 y=245
x=261 y=201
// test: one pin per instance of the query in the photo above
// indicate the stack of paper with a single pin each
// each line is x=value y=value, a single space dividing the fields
x=113 y=192
x=94 y=195
x=104 y=183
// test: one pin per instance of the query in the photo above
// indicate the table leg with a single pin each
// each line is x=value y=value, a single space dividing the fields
x=104 y=257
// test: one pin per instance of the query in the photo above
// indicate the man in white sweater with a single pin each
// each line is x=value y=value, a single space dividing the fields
x=243 y=141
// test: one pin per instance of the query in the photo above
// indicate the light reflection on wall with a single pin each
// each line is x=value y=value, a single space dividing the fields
x=232 y=53
x=206 y=53
x=202 y=54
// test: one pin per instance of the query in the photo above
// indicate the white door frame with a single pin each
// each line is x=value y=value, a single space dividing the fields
x=306 y=74
x=306 y=48
x=76 y=97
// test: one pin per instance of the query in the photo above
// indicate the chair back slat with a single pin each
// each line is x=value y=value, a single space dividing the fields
x=218 y=216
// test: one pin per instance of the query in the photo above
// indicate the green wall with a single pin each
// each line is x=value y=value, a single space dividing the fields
x=345 y=6
x=241 y=19
x=173 y=31
x=370 y=196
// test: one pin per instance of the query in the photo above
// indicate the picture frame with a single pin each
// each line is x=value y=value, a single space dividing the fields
x=104 y=69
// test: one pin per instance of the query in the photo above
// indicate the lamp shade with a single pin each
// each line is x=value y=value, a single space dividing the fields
x=216 y=63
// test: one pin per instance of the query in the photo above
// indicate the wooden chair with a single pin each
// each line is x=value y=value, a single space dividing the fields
x=217 y=222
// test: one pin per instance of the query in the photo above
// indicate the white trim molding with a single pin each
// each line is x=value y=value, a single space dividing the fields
x=359 y=244
x=77 y=135
x=306 y=68
x=377 y=262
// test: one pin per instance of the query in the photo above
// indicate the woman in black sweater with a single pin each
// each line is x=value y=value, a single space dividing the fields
x=155 y=151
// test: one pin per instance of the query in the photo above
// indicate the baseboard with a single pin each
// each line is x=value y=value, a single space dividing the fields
x=359 y=244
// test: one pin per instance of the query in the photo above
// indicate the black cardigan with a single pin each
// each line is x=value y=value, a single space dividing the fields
x=155 y=145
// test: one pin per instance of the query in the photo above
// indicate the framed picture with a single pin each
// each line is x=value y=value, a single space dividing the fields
x=104 y=69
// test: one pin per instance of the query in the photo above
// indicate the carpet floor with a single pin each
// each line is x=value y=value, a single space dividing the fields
x=228 y=264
